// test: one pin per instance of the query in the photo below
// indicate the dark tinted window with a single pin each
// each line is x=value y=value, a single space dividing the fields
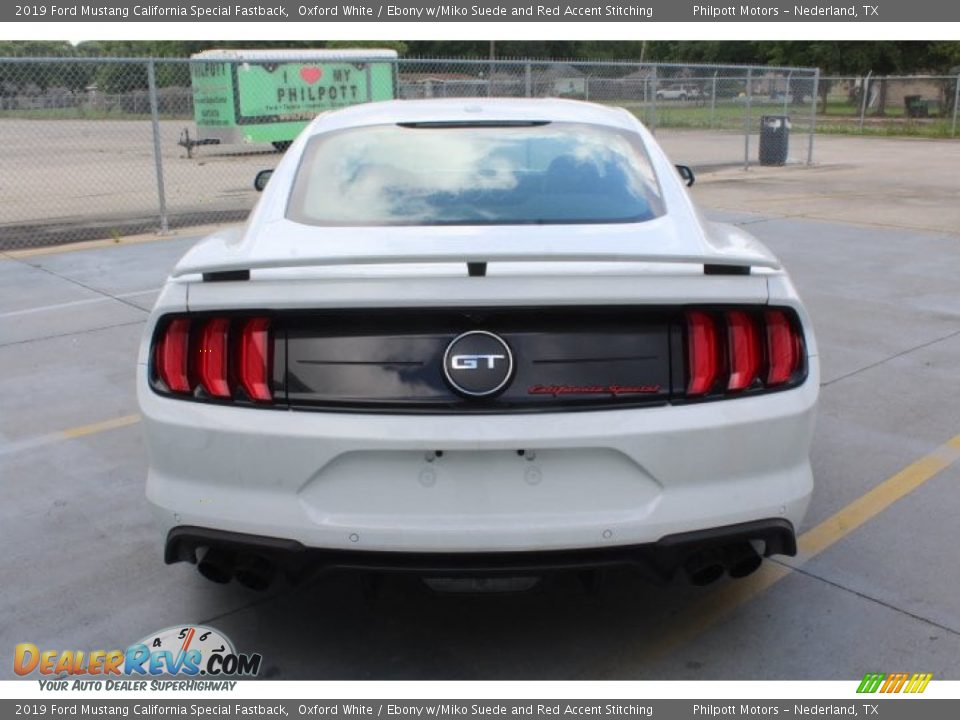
x=438 y=175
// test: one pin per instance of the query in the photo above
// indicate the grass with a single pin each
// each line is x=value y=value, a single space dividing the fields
x=930 y=129
x=839 y=119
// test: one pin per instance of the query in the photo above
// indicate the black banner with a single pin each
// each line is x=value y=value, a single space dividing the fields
x=859 y=706
x=576 y=11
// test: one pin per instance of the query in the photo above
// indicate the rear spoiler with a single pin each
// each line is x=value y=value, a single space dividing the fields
x=241 y=267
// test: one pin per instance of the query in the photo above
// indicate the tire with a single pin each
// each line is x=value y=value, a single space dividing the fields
x=659 y=96
x=683 y=96
x=281 y=146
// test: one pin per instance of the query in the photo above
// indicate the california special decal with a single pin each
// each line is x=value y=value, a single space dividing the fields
x=180 y=651
x=615 y=390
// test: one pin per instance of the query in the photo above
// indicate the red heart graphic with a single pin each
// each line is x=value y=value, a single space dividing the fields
x=311 y=74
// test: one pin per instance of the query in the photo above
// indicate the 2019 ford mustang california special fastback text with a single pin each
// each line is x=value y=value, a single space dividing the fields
x=478 y=337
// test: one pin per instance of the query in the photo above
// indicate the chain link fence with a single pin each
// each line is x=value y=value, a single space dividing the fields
x=914 y=105
x=98 y=148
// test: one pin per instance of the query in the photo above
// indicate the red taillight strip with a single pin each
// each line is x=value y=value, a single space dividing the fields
x=254 y=367
x=702 y=352
x=783 y=347
x=211 y=357
x=741 y=350
x=171 y=356
x=744 y=345
x=218 y=354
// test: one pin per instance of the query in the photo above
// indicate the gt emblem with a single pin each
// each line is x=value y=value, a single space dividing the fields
x=472 y=362
x=478 y=364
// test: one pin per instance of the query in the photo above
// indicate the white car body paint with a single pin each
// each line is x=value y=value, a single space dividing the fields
x=365 y=481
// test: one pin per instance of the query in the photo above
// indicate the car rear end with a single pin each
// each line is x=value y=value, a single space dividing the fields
x=508 y=401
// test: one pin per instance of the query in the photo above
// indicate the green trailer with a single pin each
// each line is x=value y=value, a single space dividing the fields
x=268 y=96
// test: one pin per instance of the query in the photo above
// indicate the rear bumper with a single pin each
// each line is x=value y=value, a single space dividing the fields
x=600 y=480
x=658 y=561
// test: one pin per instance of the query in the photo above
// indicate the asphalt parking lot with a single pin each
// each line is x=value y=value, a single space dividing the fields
x=875 y=588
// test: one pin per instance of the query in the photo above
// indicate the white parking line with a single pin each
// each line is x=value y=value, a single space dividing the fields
x=75 y=303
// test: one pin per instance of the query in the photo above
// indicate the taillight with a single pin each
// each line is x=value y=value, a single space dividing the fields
x=220 y=355
x=744 y=345
x=783 y=347
x=702 y=352
x=211 y=357
x=738 y=350
x=171 y=356
x=255 y=360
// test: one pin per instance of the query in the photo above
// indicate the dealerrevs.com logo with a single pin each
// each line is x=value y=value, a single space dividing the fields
x=180 y=651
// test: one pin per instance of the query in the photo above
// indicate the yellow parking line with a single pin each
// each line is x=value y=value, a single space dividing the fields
x=94 y=428
x=871 y=504
x=708 y=610
x=31 y=443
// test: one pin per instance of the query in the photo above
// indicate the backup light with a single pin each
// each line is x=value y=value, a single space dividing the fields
x=744 y=344
x=211 y=357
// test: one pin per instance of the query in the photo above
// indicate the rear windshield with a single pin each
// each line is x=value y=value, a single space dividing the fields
x=542 y=173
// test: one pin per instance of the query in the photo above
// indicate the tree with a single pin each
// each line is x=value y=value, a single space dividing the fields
x=19 y=77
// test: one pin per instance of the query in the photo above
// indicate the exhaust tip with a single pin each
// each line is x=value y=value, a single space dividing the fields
x=741 y=560
x=216 y=565
x=255 y=572
x=703 y=568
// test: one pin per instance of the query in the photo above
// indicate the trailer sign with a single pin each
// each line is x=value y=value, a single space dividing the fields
x=295 y=91
x=259 y=96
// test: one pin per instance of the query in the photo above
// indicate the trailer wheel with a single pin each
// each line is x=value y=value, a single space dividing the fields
x=281 y=146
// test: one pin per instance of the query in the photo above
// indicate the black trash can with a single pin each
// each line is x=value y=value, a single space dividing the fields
x=774 y=139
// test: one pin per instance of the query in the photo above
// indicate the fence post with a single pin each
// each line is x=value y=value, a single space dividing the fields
x=956 y=100
x=863 y=99
x=746 y=120
x=527 y=81
x=786 y=93
x=813 y=115
x=157 y=156
x=713 y=99
x=653 y=118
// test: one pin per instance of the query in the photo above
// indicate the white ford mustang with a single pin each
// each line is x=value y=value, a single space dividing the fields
x=478 y=337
